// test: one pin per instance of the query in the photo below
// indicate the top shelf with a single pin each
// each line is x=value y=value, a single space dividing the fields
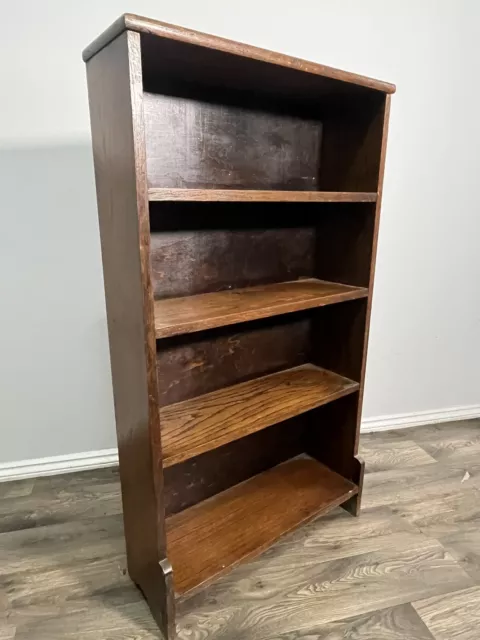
x=253 y=195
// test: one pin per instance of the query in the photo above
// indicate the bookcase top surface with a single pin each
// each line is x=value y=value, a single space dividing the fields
x=140 y=24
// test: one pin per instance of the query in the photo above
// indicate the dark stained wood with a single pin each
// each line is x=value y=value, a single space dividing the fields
x=337 y=337
x=197 y=145
x=189 y=36
x=199 y=478
x=352 y=144
x=200 y=424
x=193 y=259
x=211 y=538
x=174 y=316
x=190 y=366
x=114 y=82
x=381 y=171
x=239 y=197
x=256 y=195
x=344 y=244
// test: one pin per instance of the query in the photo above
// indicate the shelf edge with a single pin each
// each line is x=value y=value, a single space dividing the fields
x=257 y=195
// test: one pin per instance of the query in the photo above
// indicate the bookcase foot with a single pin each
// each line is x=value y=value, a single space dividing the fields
x=353 y=504
x=157 y=589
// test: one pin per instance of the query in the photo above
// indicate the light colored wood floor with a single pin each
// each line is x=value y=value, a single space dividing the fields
x=408 y=568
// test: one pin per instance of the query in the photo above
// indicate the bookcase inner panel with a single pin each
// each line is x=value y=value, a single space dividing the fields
x=189 y=366
x=206 y=475
x=205 y=247
x=193 y=143
x=201 y=247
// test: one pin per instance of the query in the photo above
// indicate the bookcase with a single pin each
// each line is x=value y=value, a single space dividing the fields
x=239 y=198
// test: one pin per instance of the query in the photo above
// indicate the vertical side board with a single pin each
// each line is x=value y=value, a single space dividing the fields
x=383 y=154
x=116 y=111
x=336 y=442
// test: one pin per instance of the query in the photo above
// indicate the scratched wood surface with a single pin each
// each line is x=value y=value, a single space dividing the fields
x=188 y=314
x=207 y=422
x=407 y=568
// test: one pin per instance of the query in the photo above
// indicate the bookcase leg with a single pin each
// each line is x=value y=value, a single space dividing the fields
x=353 y=504
x=157 y=588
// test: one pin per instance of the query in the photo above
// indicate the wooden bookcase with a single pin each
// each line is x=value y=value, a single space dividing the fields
x=239 y=198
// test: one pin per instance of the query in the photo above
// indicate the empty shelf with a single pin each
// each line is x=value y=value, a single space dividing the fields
x=195 y=313
x=254 y=195
x=211 y=537
x=206 y=422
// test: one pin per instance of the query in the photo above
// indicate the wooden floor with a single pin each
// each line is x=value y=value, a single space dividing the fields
x=407 y=569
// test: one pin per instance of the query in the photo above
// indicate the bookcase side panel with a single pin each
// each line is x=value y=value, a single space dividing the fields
x=115 y=96
x=383 y=152
x=333 y=434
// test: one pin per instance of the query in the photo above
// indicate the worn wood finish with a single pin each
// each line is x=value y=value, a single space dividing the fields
x=208 y=539
x=169 y=31
x=209 y=421
x=257 y=195
x=239 y=194
x=115 y=92
x=336 y=576
x=199 y=478
x=203 y=256
x=196 y=364
x=196 y=144
x=174 y=316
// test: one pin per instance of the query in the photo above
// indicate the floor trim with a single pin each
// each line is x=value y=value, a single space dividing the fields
x=56 y=465
x=419 y=418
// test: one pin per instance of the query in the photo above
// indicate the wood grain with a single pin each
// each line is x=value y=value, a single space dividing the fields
x=205 y=144
x=200 y=424
x=255 y=195
x=455 y=615
x=181 y=34
x=383 y=457
x=195 y=364
x=393 y=623
x=192 y=252
x=211 y=538
x=350 y=579
x=202 y=477
x=116 y=112
x=283 y=592
x=174 y=316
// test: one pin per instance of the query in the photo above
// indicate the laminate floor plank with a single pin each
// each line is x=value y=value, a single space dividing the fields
x=393 y=455
x=443 y=514
x=447 y=442
x=63 y=570
x=452 y=616
x=392 y=623
x=464 y=545
x=261 y=600
x=397 y=486
x=41 y=548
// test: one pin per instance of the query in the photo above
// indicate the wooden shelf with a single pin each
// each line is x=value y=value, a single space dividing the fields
x=253 y=195
x=205 y=311
x=210 y=538
x=209 y=421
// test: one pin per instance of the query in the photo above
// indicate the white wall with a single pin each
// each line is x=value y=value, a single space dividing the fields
x=55 y=389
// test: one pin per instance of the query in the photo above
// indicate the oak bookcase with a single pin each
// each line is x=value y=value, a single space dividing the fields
x=239 y=199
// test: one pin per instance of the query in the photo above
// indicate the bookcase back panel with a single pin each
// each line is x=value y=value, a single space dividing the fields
x=193 y=143
x=201 y=477
x=191 y=365
x=205 y=247
x=200 y=248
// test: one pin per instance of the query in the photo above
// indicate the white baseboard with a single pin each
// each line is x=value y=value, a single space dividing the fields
x=419 y=418
x=56 y=465
x=109 y=457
